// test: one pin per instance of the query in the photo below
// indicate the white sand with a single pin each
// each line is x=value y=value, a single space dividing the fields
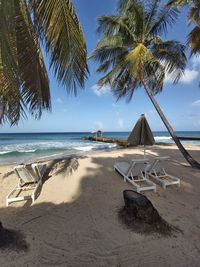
x=74 y=220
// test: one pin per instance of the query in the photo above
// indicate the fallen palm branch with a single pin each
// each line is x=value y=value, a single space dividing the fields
x=141 y=216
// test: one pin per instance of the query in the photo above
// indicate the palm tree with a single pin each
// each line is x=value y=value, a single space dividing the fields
x=193 y=18
x=24 y=83
x=131 y=54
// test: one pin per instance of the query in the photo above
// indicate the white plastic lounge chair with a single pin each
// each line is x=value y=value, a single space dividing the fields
x=39 y=169
x=135 y=173
x=157 y=172
x=29 y=180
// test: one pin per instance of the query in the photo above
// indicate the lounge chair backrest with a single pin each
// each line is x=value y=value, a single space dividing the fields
x=26 y=174
x=136 y=167
x=39 y=169
x=157 y=165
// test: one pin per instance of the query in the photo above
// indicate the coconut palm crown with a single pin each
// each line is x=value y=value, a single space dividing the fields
x=26 y=25
x=132 y=53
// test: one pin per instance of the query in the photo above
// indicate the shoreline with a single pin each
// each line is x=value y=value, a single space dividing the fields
x=82 y=153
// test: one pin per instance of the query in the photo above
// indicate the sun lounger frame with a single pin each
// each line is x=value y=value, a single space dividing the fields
x=22 y=186
x=160 y=177
x=142 y=176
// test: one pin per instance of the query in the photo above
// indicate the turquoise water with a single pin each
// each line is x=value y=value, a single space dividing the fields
x=22 y=147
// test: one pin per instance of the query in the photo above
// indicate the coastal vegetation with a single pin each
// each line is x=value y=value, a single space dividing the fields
x=25 y=27
x=132 y=54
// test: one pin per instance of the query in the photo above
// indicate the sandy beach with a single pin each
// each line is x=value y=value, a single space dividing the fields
x=74 y=222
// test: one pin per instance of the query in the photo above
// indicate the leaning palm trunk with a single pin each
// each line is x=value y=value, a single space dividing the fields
x=184 y=152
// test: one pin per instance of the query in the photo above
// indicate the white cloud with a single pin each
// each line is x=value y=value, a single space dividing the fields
x=99 y=92
x=120 y=122
x=59 y=101
x=196 y=103
x=99 y=125
x=189 y=76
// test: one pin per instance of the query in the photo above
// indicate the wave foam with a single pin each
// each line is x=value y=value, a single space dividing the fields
x=162 y=138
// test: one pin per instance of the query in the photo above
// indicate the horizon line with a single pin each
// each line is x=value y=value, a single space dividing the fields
x=91 y=132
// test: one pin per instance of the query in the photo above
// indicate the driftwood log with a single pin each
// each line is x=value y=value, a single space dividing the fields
x=141 y=216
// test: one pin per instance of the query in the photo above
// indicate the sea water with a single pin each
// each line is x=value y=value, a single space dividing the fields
x=24 y=147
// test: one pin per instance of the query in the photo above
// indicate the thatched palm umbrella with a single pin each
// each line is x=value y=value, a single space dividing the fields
x=141 y=134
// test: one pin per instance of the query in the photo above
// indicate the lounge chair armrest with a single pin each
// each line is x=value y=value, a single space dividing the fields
x=163 y=158
x=140 y=160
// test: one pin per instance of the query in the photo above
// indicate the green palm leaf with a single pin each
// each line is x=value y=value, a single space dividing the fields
x=166 y=17
x=193 y=18
x=25 y=81
x=59 y=29
x=194 y=40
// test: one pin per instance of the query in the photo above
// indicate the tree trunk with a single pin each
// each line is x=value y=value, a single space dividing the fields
x=184 y=152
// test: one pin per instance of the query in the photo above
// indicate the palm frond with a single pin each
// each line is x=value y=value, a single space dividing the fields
x=135 y=13
x=178 y=2
x=154 y=75
x=113 y=25
x=35 y=88
x=24 y=77
x=109 y=48
x=194 y=40
x=9 y=78
x=167 y=53
x=126 y=6
x=11 y=104
x=166 y=17
x=59 y=29
x=151 y=13
x=194 y=14
x=124 y=85
x=193 y=17
x=110 y=76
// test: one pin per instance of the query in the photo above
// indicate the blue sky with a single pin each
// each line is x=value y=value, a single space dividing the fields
x=92 y=109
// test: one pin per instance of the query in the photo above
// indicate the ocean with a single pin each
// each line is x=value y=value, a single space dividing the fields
x=27 y=147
